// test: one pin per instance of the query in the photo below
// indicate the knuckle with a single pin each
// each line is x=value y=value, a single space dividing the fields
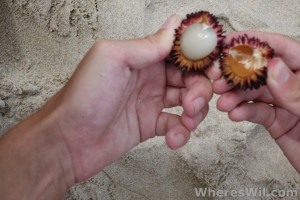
x=109 y=49
x=103 y=46
x=157 y=45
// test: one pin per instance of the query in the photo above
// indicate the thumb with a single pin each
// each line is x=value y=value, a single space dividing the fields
x=284 y=86
x=140 y=53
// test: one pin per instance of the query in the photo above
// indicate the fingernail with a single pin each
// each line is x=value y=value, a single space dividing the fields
x=197 y=120
x=172 y=22
x=198 y=104
x=279 y=71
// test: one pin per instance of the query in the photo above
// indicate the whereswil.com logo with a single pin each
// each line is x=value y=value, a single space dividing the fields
x=245 y=192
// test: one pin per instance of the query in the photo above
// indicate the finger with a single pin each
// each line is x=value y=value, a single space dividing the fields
x=221 y=86
x=174 y=76
x=214 y=72
x=192 y=122
x=199 y=93
x=284 y=86
x=284 y=122
x=276 y=120
x=230 y=100
x=259 y=113
x=173 y=96
x=285 y=47
x=176 y=133
x=140 y=53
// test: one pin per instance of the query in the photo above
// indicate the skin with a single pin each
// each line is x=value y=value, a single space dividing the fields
x=113 y=101
x=276 y=106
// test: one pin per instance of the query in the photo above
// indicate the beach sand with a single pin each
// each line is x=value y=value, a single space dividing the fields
x=41 y=43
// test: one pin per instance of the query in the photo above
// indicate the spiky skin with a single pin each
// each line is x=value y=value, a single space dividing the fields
x=177 y=57
x=258 y=77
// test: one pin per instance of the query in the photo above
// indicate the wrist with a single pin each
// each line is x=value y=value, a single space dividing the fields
x=36 y=159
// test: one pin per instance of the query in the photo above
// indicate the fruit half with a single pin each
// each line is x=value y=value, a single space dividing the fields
x=198 y=42
x=244 y=62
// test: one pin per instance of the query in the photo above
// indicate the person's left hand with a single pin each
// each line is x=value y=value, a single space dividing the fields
x=116 y=97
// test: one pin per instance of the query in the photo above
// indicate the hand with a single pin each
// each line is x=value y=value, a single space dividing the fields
x=116 y=97
x=114 y=101
x=276 y=106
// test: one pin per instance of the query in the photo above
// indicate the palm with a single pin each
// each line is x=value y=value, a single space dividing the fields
x=115 y=100
x=138 y=113
x=145 y=102
x=135 y=104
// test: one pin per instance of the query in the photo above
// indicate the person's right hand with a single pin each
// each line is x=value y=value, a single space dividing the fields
x=277 y=105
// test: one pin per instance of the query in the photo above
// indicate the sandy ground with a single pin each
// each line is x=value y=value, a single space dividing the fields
x=42 y=41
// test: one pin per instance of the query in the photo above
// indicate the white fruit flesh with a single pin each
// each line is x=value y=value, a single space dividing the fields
x=198 y=41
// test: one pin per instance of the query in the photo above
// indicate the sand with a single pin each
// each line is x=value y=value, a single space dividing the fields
x=42 y=41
